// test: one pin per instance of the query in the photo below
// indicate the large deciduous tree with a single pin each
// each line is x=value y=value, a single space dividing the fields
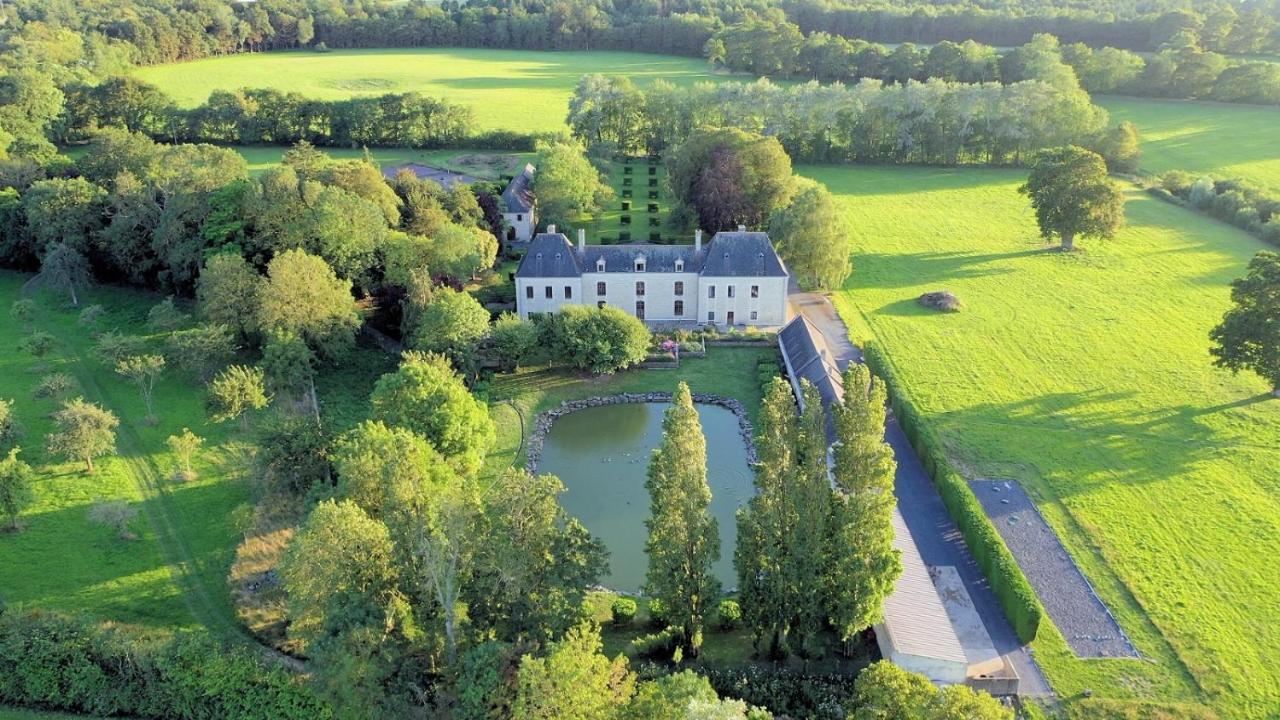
x=302 y=295
x=574 y=681
x=812 y=238
x=1072 y=196
x=425 y=395
x=1248 y=338
x=724 y=177
x=684 y=539
x=568 y=187
x=65 y=268
x=84 y=431
x=229 y=290
x=597 y=340
x=453 y=324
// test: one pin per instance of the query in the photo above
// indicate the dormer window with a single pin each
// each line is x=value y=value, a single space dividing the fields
x=600 y=265
x=640 y=264
x=679 y=265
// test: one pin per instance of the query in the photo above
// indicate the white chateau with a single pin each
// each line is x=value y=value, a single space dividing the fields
x=736 y=279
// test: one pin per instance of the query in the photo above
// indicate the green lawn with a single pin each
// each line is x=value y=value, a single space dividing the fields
x=1087 y=378
x=1223 y=139
x=174 y=574
x=644 y=187
x=484 y=164
x=509 y=89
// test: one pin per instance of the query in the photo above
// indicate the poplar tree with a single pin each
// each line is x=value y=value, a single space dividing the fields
x=862 y=565
x=684 y=540
x=765 y=590
x=810 y=511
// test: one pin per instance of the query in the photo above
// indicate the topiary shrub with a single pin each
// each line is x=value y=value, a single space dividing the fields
x=943 y=300
x=623 y=611
x=728 y=614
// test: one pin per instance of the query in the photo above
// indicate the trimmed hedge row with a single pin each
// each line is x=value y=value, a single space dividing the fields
x=53 y=661
x=1007 y=581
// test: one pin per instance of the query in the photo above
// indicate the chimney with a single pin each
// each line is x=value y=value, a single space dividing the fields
x=551 y=229
x=697 y=240
x=582 y=240
x=741 y=228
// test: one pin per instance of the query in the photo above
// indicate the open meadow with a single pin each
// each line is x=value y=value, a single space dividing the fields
x=523 y=91
x=1204 y=137
x=1087 y=378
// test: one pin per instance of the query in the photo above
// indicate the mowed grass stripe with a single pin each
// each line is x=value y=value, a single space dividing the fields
x=1087 y=377
x=521 y=90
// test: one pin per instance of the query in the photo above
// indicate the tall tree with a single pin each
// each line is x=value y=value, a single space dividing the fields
x=1248 y=338
x=568 y=187
x=1072 y=196
x=574 y=681
x=861 y=564
x=425 y=395
x=304 y=296
x=289 y=368
x=812 y=237
x=84 y=431
x=453 y=324
x=229 y=291
x=684 y=539
x=345 y=605
x=724 y=177
x=16 y=492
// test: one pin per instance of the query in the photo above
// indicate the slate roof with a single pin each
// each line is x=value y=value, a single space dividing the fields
x=622 y=258
x=518 y=196
x=549 y=255
x=729 y=254
x=742 y=254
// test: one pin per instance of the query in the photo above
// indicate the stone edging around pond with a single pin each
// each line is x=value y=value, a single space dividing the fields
x=542 y=424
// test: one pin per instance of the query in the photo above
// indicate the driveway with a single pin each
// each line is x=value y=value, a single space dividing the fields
x=936 y=535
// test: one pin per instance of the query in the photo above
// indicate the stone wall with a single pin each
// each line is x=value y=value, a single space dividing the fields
x=542 y=424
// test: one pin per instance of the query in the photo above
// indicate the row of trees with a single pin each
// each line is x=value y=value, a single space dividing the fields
x=256 y=116
x=814 y=546
x=934 y=122
x=771 y=45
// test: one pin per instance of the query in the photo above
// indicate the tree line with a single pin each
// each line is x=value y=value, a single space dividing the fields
x=934 y=122
x=1183 y=68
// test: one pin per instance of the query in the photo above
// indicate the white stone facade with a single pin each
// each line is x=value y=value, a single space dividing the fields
x=662 y=284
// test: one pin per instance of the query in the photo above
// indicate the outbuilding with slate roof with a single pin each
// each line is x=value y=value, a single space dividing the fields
x=736 y=279
x=519 y=207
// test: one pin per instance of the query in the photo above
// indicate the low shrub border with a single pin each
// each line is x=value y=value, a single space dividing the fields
x=1007 y=581
x=53 y=661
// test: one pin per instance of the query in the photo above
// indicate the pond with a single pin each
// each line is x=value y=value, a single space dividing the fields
x=602 y=455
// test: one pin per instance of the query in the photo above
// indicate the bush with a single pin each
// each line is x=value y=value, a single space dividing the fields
x=943 y=300
x=91 y=316
x=657 y=613
x=55 y=385
x=1007 y=581
x=658 y=646
x=165 y=316
x=52 y=661
x=818 y=697
x=623 y=611
x=728 y=614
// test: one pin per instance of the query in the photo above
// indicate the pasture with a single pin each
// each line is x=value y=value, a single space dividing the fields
x=525 y=91
x=1087 y=378
x=1215 y=138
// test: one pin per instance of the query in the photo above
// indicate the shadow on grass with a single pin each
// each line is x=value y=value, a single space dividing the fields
x=913 y=269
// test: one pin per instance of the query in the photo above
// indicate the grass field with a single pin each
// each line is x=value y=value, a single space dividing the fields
x=1087 y=378
x=509 y=89
x=1219 y=138
x=174 y=574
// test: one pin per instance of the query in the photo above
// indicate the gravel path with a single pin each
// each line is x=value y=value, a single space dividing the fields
x=1067 y=596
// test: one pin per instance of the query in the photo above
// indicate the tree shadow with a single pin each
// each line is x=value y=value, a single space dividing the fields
x=934 y=267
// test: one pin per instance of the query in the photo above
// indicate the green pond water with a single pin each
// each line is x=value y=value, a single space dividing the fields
x=602 y=454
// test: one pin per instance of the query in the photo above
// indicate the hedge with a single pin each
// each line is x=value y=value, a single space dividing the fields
x=1008 y=583
x=52 y=661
